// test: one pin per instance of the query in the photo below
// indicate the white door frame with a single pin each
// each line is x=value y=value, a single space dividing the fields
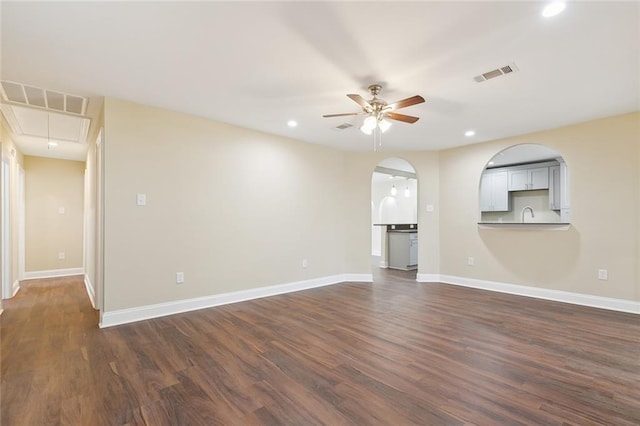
x=5 y=225
x=21 y=223
x=99 y=240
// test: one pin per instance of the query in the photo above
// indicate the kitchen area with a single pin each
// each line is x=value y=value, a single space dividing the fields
x=394 y=210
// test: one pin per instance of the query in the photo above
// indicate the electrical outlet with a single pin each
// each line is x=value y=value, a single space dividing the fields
x=61 y=255
x=141 y=199
x=305 y=263
x=603 y=274
x=179 y=277
x=471 y=261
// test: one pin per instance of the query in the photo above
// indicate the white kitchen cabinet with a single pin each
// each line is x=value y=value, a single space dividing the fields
x=555 y=198
x=528 y=178
x=494 y=193
x=403 y=250
x=559 y=190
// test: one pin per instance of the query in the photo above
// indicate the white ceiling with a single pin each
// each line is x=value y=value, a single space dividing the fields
x=260 y=64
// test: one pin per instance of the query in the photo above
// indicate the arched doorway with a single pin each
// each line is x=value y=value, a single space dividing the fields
x=394 y=216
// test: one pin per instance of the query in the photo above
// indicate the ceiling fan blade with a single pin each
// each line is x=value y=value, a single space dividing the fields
x=361 y=101
x=417 y=99
x=340 y=115
x=402 y=117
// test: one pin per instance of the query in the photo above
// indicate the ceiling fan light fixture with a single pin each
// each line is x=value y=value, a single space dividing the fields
x=384 y=125
x=369 y=124
x=553 y=9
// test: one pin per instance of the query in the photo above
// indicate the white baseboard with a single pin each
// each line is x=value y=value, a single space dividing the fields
x=357 y=278
x=125 y=316
x=16 y=288
x=428 y=278
x=53 y=273
x=621 y=305
x=90 y=290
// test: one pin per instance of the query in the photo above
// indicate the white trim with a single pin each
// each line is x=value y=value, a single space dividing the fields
x=428 y=278
x=16 y=288
x=90 y=291
x=124 y=316
x=53 y=273
x=358 y=278
x=376 y=252
x=621 y=305
x=1 y=311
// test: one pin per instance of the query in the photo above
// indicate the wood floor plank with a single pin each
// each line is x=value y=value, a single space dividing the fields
x=395 y=352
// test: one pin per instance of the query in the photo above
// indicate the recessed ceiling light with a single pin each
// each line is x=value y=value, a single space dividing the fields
x=552 y=9
x=470 y=133
x=491 y=163
x=292 y=123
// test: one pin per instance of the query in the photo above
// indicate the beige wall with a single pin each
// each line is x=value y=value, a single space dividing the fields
x=52 y=184
x=236 y=209
x=233 y=209
x=602 y=157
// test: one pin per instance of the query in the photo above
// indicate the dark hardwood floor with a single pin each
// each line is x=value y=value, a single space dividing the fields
x=391 y=353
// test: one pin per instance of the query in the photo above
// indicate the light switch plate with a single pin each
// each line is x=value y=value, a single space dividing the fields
x=603 y=274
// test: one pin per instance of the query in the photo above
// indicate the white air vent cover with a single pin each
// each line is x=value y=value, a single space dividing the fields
x=50 y=99
x=507 y=69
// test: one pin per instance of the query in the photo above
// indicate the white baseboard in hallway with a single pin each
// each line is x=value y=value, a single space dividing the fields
x=90 y=290
x=53 y=273
x=536 y=292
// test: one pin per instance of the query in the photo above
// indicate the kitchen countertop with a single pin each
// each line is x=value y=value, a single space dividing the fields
x=563 y=226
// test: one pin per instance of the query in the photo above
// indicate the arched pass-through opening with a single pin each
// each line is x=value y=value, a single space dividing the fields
x=525 y=184
x=394 y=217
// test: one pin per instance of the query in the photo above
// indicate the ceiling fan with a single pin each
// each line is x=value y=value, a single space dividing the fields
x=377 y=110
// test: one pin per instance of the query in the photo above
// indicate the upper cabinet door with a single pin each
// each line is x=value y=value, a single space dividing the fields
x=518 y=180
x=539 y=178
x=525 y=179
x=494 y=196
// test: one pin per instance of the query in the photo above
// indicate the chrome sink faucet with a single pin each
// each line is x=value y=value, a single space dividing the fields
x=530 y=209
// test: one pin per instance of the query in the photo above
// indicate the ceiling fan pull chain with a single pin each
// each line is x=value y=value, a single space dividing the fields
x=377 y=139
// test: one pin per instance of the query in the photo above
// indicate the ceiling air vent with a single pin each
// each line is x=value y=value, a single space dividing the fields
x=49 y=99
x=344 y=126
x=507 y=69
